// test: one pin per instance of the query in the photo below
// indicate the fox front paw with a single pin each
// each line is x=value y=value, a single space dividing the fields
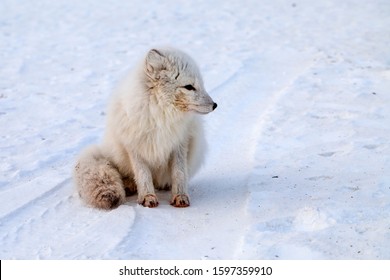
x=180 y=200
x=149 y=200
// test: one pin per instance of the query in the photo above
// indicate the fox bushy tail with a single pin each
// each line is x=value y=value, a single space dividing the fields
x=98 y=181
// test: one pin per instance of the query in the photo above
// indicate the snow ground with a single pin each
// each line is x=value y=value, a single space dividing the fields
x=299 y=155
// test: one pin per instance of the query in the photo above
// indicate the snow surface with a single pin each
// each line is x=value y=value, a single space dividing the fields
x=299 y=155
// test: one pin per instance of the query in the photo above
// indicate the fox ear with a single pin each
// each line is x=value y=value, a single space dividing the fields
x=154 y=63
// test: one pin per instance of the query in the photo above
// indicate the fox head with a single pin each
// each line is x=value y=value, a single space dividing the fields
x=173 y=79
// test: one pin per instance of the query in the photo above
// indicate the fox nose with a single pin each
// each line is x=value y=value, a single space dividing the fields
x=214 y=106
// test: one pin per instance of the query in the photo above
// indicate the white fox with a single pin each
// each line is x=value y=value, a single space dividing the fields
x=153 y=137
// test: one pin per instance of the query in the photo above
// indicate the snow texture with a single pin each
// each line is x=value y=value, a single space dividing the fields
x=299 y=152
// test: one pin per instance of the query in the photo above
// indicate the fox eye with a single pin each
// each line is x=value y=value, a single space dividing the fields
x=189 y=87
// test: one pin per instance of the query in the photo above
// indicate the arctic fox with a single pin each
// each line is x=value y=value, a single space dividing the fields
x=153 y=138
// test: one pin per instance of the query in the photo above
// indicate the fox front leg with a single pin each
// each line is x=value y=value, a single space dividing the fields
x=144 y=182
x=179 y=178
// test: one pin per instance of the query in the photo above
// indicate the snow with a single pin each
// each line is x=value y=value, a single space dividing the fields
x=299 y=156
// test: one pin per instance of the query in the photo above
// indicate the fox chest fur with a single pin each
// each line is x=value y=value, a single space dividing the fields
x=162 y=136
x=148 y=131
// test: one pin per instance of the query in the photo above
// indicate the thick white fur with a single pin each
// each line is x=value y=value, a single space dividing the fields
x=153 y=138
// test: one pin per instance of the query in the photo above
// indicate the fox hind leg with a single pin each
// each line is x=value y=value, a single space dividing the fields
x=166 y=187
x=129 y=185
